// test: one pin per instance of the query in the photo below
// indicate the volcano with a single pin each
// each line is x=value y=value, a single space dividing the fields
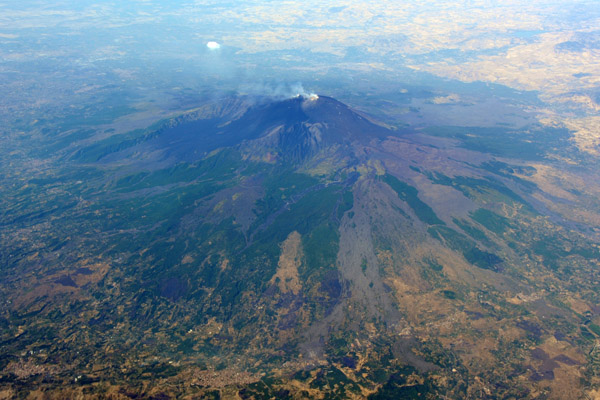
x=293 y=129
x=297 y=249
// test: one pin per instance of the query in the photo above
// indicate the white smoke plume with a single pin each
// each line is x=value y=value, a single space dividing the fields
x=299 y=91
x=278 y=92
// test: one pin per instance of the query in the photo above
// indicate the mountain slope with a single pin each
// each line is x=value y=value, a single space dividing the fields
x=294 y=128
x=295 y=248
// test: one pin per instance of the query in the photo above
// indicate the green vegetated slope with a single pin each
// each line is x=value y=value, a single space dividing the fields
x=237 y=275
x=410 y=195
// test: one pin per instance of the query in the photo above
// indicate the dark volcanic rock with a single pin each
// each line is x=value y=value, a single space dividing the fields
x=331 y=285
x=173 y=288
x=293 y=129
x=542 y=376
x=288 y=321
x=349 y=362
x=66 y=280
x=530 y=327
x=539 y=354
x=84 y=271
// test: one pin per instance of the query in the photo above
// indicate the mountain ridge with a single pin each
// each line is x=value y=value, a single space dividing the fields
x=301 y=241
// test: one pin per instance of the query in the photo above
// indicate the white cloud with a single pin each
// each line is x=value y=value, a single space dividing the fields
x=213 y=45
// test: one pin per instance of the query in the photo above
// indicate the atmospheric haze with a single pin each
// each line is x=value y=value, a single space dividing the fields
x=369 y=200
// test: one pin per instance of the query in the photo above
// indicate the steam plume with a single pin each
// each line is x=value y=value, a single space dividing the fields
x=279 y=92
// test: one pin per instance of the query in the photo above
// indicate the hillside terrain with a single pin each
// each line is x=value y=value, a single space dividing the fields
x=270 y=248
